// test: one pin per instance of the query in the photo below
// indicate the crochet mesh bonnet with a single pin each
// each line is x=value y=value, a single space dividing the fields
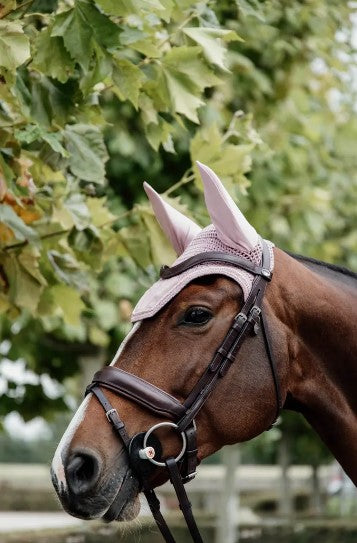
x=230 y=232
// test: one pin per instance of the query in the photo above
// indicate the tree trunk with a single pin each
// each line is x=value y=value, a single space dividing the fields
x=227 y=518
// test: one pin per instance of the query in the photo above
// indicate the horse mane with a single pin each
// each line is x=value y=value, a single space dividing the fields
x=331 y=271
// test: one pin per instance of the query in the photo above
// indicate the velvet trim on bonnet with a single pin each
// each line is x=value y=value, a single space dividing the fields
x=230 y=232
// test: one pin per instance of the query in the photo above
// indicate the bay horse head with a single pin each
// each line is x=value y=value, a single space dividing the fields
x=202 y=359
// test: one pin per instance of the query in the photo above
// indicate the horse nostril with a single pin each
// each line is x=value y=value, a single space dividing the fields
x=82 y=472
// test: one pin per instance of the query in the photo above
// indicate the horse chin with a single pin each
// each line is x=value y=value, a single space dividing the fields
x=130 y=510
x=126 y=504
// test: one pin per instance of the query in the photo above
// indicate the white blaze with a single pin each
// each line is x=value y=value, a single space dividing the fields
x=57 y=463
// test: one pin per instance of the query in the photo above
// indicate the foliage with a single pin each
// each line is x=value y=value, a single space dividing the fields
x=97 y=96
x=59 y=67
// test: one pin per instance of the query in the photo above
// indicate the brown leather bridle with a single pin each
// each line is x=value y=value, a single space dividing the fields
x=181 y=416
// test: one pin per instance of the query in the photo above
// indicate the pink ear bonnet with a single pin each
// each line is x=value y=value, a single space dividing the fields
x=230 y=232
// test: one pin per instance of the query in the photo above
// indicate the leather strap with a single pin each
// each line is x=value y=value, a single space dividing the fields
x=184 y=502
x=154 y=504
x=190 y=459
x=269 y=351
x=142 y=392
x=214 y=256
x=111 y=414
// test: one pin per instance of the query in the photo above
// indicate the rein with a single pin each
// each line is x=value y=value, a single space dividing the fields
x=181 y=416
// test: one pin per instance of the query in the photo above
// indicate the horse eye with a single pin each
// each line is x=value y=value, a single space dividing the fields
x=197 y=316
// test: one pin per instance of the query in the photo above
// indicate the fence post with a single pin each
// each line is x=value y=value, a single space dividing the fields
x=227 y=517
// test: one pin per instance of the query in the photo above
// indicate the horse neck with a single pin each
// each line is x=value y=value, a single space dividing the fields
x=321 y=315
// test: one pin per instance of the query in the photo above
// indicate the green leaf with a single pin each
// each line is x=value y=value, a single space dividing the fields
x=51 y=56
x=251 y=8
x=77 y=35
x=29 y=134
x=14 y=45
x=87 y=150
x=128 y=7
x=183 y=100
x=100 y=214
x=88 y=246
x=68 y=270
x=210 y=39
x=62 y=216
x=5 y=170
x=21 y=231
x=69 y=303
x=120 y=285
x=6 y=6
x=76 y=205
x=5 y=303
x=100 y=69
x=160 y=133
x=147 y=109
x=186 y=76
x=161 y=250
x=29 y=260
x=106 y=33
x=230 y=161
x=25 y=280
x=98 y=337
x=128 y=79
x=135 y=241
x=106 y=313
x=147 y=48
x=189 y=61
x=34 y=132
x=49 y=101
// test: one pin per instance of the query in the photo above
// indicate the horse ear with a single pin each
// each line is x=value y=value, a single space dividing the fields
x=180 y=230
x=232 y=227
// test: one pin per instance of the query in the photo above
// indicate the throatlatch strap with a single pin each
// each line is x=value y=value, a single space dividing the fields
x=274 y=371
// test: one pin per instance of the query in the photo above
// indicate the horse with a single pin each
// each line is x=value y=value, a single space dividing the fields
x=301 y=357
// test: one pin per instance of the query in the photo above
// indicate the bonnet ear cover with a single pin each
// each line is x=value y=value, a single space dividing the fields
x=232 y=227
x=230 y=233
x=180 y=230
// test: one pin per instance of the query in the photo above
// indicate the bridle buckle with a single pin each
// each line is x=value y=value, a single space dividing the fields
x=189 y=477
x=266 y=274
x=111 y=412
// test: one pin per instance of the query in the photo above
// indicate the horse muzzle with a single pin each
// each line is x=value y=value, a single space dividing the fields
x=93 y=490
